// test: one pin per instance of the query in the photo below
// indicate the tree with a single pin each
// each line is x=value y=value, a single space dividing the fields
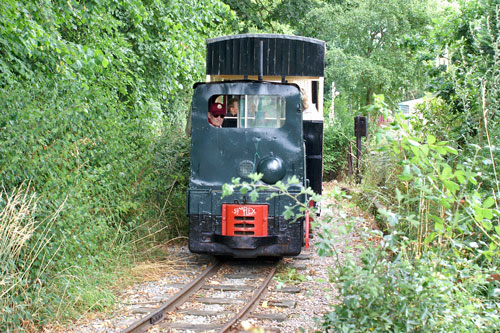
x=268 y=16
x=469 y=36
x=372 y=46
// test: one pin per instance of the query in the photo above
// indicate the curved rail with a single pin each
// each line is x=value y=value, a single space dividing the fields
x=255 y=298
x=156 y=316
x=143 y=324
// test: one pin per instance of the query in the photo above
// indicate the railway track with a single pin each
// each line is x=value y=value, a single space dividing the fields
x=225 y=293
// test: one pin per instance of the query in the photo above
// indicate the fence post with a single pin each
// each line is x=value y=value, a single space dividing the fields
x=349 y=160
x=360 y=129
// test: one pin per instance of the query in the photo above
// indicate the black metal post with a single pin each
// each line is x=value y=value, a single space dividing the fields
x=360 y=129
x=358 y=156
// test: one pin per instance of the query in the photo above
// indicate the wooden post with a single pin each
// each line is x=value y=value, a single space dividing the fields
x=349 y=160
x=335 y=93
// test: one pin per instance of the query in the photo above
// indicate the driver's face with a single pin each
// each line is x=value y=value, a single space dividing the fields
x=217 y=121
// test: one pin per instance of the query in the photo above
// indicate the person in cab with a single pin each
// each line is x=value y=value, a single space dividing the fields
x=216 y=115
x=232 y=113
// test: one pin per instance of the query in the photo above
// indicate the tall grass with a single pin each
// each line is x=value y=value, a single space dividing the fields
x=21 y=244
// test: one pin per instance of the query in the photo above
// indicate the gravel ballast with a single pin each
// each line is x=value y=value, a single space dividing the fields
x=300 y=292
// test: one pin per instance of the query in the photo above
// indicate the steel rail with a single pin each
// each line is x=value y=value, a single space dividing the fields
x=255 y=297
x=156 y=316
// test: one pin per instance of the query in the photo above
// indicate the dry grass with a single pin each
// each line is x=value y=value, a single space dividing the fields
x=17 y=225
x=19 y=249
x=154 y=270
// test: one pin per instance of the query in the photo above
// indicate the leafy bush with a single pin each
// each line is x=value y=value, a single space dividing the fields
x=441 y=231
x=338 y=132
x=419 y=296
x=84 y=89
x=379 y=169
x=436 y=268
x=171 y=165
x=86 y=155
x=438 y=198
x=335 y=149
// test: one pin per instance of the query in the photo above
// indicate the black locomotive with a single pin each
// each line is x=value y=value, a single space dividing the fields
x=248 y=117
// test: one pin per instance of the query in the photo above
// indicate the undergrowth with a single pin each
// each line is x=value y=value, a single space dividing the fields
x=435 y=180
x=401 y=295
x=22 y=241
x=86 y=90
x=435 y=268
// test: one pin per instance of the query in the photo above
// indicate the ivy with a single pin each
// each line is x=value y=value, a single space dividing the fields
x=86 y=88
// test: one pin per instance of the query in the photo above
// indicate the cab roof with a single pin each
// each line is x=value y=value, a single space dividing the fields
x=282 y=55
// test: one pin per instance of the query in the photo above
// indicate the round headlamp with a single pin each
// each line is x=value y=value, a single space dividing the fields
x=272 y=168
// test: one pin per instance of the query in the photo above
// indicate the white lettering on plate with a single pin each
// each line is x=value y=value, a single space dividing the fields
x=245 y=211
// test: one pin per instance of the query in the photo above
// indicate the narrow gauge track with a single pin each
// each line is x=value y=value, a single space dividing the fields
x=242 y=282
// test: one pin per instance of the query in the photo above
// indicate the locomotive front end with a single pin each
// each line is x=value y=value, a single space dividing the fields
x=248 y=118
x=266 y=138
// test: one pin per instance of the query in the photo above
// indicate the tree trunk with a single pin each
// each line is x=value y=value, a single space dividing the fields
x=369 y=96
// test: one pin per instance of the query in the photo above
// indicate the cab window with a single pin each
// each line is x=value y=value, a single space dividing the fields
x=251 y=111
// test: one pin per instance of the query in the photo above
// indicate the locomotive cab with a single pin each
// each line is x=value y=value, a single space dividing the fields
x=262 y=76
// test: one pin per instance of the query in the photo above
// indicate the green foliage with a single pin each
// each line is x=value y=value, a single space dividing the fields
x=439 y=120
x=20 y=250
x=128 y=45
x=440 y=223
x=468 y=35
x=171 y=165
x=337 y=135
x=81 y=153
x=401 y=296
x=440 y=228
x=287 y=277
x=373 y=47
x=436 y=198
x=265 y=15
x=300 y=199
x=85 y=89
x=434 y=179
x=335 y=143
x=469 y=86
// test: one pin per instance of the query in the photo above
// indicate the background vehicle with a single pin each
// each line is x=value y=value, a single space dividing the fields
x=264 y=74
